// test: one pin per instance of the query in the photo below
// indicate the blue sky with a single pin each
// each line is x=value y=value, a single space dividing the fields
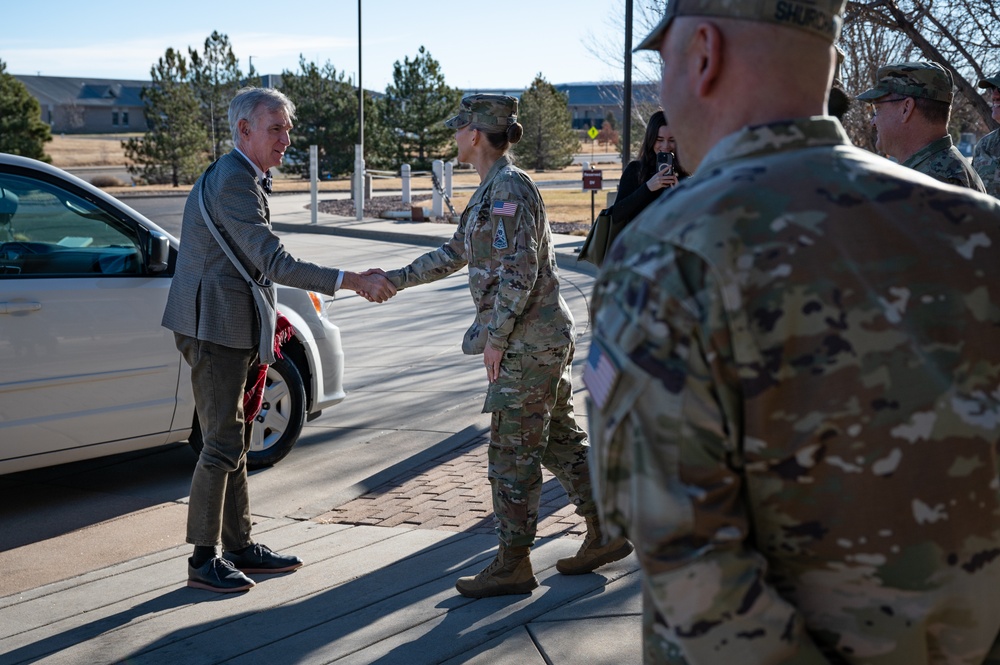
x=484 y=45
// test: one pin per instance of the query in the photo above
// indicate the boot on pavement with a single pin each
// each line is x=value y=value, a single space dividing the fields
x=509 y=573
x=593 y=553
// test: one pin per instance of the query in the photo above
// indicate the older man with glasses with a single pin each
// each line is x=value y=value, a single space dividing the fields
x=911 y=106
x=986 y=158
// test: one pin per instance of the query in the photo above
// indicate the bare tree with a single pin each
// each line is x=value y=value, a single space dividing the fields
x=646 y=65
x=961 y=35
x=866 y=47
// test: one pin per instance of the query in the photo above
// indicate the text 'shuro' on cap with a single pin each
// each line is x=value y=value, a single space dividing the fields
x=822 y=18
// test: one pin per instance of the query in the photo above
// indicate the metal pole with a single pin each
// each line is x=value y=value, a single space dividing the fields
x=437 y=201
x=361 y=90
x=627 y=92
x=359 y=162
x=314 y=182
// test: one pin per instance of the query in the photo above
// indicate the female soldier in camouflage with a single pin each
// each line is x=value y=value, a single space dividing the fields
x=525 y=332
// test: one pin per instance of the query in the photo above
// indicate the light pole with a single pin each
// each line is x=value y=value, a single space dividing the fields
x=627 y=91
x=359 y=149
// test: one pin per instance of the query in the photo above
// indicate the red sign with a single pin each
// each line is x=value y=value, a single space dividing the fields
x=592 y=179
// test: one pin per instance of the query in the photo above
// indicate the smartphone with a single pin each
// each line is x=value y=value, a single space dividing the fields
x=665 y=160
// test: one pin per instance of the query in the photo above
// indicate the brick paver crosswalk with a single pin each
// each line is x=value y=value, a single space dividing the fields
x=452 y=493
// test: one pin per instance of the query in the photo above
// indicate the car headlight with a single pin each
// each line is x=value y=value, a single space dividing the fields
x=322 y=304
x=316 y=301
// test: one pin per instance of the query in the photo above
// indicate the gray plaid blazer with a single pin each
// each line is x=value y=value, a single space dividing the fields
x=208 y=299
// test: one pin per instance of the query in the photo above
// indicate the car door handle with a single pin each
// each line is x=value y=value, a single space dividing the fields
x=19 y=307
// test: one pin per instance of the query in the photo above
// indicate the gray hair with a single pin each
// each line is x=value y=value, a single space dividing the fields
x=249 y=102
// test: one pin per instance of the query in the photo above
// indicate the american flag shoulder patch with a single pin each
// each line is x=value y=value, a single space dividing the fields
x=506 y=208
x=600 y=374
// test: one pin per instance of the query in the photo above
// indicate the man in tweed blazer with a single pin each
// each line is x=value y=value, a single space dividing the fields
x=215 y=322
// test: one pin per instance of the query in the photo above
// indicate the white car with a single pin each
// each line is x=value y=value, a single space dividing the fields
x=85 y=368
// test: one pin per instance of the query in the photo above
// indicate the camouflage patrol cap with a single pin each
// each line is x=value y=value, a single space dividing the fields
x=990 y=82
x=819 y=17
x=487 y=111
x=912 y=79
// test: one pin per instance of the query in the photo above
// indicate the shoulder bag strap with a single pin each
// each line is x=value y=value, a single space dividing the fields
x=263 y=295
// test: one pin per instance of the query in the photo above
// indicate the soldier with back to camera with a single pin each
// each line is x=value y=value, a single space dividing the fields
x=793 y=377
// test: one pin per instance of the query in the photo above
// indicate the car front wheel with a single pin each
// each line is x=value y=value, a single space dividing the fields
x=278 y=425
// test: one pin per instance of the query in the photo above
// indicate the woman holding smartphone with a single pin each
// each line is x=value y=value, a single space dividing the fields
x=645 y=179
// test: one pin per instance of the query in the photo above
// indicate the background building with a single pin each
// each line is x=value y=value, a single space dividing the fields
x=88 y=106
x=100 y=106
x=590 y=103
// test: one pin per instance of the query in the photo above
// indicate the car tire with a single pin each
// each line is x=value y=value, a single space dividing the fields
x=279 y=423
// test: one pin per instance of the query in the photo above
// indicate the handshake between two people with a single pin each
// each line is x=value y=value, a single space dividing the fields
x=372 y=284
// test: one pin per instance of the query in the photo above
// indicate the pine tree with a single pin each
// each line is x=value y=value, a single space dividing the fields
x=326 y=115
x=416 y=104
x=549 y=141
x=174 y=149
x=22 y=131
x=215 y=77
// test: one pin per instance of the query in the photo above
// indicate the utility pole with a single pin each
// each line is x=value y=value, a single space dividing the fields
x=359 y=149
x=627 y=91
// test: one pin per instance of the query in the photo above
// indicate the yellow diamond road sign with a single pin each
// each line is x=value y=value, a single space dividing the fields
x=592 y=132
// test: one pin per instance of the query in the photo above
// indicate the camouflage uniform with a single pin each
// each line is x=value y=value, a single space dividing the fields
x=986 y=157
x=986 y=161
x=505 y=239
x=794 y=407
x=941 y=160
x=928 y=80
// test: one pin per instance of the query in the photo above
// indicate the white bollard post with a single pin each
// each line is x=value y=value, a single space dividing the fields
x=437 y=201
x=359 y=182
x=404 y=172
x=314 y=182
x=448 y=171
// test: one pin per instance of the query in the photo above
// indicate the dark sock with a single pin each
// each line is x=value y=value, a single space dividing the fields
x=241 y=550
x=202 y=553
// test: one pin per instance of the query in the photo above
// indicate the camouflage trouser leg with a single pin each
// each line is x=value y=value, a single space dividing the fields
x=535 y=427
x=567 y=450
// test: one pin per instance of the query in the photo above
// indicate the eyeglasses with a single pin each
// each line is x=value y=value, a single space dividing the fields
x=874 y=105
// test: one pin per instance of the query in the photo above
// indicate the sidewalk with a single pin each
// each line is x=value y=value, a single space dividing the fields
x=378 y=584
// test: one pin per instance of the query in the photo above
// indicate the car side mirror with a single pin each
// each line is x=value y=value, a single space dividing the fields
x=158 y=252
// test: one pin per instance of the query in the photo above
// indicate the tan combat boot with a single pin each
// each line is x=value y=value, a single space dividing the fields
x=509 y=573
x=592 y=553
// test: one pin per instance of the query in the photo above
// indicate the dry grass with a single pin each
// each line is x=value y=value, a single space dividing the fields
x=68 y=150
x=564 y=205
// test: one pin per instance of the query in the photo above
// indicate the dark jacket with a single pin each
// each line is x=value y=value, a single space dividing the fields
x=633 y=196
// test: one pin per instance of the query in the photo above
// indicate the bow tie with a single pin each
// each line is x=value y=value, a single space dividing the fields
x=265 y=182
